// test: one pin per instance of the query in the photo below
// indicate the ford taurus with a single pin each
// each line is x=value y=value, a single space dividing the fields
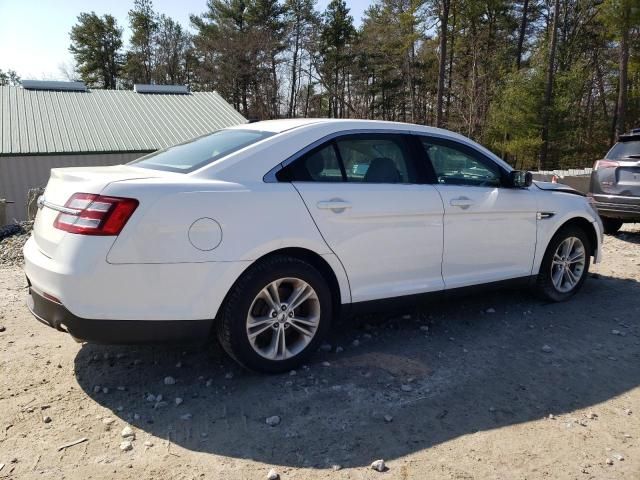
x=262 y=234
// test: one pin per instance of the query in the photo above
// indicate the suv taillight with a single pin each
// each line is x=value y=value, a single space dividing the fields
x=605 y=164
x=91 y=214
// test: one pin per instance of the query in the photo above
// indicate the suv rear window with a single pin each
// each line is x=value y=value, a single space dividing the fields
x=630 y=148
x=189 y=156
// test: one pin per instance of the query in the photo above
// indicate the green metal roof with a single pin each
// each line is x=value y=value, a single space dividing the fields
x=45 y=121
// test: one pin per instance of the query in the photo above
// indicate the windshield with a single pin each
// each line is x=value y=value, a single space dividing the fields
x=189 y=156
x=625 y=149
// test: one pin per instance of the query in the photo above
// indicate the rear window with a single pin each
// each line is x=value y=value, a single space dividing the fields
x=630 y=148
x=189 y=156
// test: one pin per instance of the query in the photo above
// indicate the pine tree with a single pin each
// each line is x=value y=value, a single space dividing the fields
x=225 y=48
x=10 y=77
x=95 y=45
x=140 y=63
x=300 y=21
x=266 y=20
x=336 y=37
x=171 y=49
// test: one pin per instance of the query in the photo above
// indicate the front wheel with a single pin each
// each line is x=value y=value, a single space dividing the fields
x=565 y=264
x=276 y=315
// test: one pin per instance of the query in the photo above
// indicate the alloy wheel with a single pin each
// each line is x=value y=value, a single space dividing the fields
x=283 y=319
x=567 y=266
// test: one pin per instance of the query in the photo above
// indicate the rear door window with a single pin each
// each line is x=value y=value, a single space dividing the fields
x=359 y=158
x=319 y=165
x=377 y=158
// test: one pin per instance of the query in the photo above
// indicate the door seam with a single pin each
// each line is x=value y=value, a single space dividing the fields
x=444 y=211
x=325 y=241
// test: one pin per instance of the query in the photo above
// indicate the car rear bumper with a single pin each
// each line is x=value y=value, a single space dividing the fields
x=624 y=208
x=91 y=288
x=56 y=315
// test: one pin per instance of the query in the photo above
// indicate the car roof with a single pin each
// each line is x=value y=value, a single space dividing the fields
x=279 y=126
x=628 y=137
x=293 y=135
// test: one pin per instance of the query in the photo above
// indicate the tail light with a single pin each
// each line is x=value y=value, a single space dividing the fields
x=91 y=214
x=605 y=164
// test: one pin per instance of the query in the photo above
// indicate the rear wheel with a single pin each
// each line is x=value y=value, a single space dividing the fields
x=565 y=264
x=611 y=225
x=276 y=315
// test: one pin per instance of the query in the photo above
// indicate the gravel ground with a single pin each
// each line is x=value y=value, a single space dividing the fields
x=493 y=386
x=12 y=239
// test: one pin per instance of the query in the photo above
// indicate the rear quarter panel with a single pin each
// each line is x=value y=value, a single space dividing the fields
x=255 y=219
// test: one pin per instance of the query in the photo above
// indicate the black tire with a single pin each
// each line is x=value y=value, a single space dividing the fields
x=611 y=225
x=544 y=282
x=231 y=323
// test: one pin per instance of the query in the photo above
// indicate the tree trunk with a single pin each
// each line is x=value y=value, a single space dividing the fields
x=294 y=70
x=274 y=93
x=601 y=93
x=444 y=20
x=548 y=92
x=624 y=62
x=306 y=102
x=450 y=72
x=614 y=120
x=523 y=30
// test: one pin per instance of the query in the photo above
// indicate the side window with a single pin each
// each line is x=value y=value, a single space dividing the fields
x=319 y=165
x=378 y=158
x=457 y=166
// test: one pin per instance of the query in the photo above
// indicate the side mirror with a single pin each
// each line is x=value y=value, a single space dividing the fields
x=520 y=179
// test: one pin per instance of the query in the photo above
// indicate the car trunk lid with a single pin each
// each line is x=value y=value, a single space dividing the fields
x=619 y=177
x=62 y=184
x=628 y=177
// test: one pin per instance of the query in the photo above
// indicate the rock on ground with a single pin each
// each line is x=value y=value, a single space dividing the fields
x=273 y=420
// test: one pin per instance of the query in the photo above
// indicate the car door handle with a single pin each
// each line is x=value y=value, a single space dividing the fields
x=462 y=202
x=336 y=204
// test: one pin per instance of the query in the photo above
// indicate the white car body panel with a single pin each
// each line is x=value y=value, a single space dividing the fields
x=91 y=288
x=490 y=236
x=389 y=237
x=395 y=239
x=565 y=207
x=150 y=238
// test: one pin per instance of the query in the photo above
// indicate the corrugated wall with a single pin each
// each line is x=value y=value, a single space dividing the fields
x=20 y=173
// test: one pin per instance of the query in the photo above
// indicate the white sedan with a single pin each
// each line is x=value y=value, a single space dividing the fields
x=266 y=233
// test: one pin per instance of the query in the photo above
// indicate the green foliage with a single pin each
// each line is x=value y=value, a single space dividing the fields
x=10 y=77
x=141 y=59
x=336 y=36
x=273 y=58
x=172 y=52
x=95 y=45
x=513 y=129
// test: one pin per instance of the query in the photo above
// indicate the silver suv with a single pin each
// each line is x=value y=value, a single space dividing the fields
x=615 y=183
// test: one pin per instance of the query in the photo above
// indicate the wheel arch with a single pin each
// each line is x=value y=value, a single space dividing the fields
x=585 y=225
x=328 y=265
x=546 y=234
x=323 y=266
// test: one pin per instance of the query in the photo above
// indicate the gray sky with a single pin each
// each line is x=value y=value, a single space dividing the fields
x=34 y=34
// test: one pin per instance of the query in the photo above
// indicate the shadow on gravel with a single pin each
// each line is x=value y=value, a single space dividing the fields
x=452 y=370
x=628 y=235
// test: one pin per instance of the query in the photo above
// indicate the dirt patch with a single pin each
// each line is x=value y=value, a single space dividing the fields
x=454 y=391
